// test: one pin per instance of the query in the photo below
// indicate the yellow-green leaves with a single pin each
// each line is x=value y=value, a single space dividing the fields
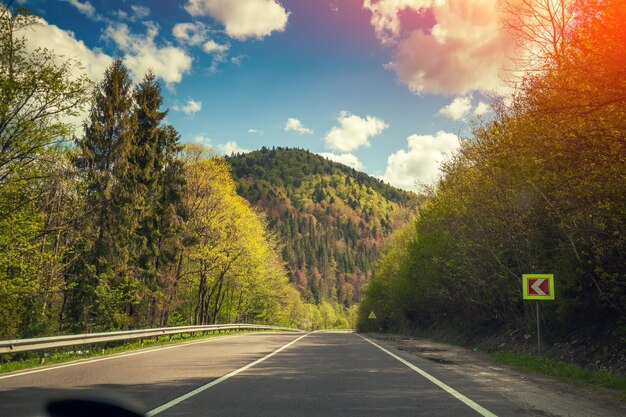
x=232 y=270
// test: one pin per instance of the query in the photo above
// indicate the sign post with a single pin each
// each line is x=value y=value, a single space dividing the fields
x=538 y=287
x=538 y=331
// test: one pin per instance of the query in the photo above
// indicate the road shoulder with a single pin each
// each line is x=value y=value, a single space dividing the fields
x=538 y=395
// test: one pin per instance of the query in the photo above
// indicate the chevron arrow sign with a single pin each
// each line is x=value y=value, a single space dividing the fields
x=538 y=286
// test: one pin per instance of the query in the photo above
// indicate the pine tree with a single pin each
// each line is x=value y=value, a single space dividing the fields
x=171 y=214
x=147 y=165
x=101 y=284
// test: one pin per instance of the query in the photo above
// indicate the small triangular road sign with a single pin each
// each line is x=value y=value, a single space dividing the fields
x=372 y=315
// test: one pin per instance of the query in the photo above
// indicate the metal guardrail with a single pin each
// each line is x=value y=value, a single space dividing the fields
x=43 y=343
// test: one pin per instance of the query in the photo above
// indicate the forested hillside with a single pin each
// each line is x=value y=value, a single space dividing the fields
x=331 y=219
x=540 y=189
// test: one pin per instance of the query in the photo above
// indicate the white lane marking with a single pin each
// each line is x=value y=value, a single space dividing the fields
x=223 y=378
x=471 y=404
x=122 y=355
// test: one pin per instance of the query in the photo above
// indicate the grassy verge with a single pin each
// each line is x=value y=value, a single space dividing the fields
x=562 y=371
x=84 y=352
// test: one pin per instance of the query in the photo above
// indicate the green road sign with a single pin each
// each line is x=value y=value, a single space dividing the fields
x=538 y=286
x=372 y=315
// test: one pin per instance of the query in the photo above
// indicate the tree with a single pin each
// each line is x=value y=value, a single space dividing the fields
x=539 y=188
x=110 y=234
x=232 y=268
x=101 y=287
x=38 y=92
x=542 y=28
x=37 y=96
x=158 y=181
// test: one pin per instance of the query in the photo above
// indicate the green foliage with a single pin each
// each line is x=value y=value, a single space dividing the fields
x=331 y=219
x=157 y=175
x=389 y=293
x=37 y=95
x=541 y=188
x=231 y=270
x=102 y=276
x=127 y=229
x=563 y=371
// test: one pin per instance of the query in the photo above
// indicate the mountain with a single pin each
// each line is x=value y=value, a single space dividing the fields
x=331 y=219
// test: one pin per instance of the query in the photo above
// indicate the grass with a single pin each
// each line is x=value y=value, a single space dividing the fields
x=563 y=371
x=34 y=360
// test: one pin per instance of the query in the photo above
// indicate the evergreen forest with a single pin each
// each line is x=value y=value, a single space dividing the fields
x=331 y=219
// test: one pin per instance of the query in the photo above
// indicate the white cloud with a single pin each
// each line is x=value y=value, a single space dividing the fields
x=217 y=60
x=65 y=44
x=482 y=108
x=457 y=109
x=197 y=34
x=122 y=15
x=386 y=16
x=139 y=11
x=231 y=147
x=212 y=47
x=461 y=107
x=237 y=60
x=85 y=8
x=465 y=50
x=192 y=107
x=242 y=19
x=141 y=53
x=354 y=132
x=421 y=162
x=190 y=33
x=256 y=131
x=296 y=125
x=345 y=158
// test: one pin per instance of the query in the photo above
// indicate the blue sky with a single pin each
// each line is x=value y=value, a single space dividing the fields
x=385 y=86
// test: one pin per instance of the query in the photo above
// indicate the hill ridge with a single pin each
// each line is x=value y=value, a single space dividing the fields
x=330 y=218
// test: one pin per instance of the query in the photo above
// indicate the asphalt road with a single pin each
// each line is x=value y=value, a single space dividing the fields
x=265 y=374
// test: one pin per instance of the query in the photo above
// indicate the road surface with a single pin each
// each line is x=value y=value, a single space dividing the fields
x=263 y=374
